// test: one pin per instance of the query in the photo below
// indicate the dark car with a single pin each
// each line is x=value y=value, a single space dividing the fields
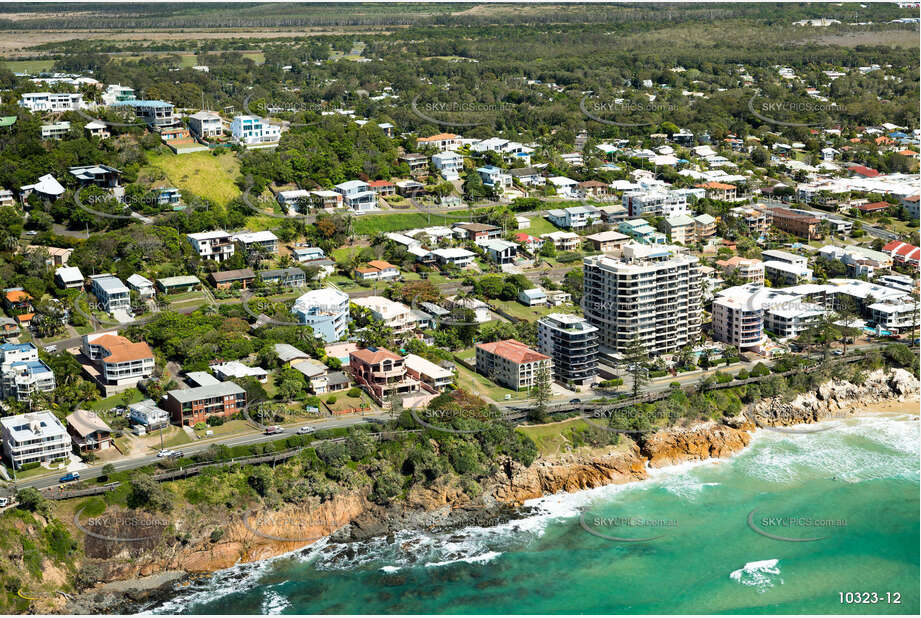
x=576 y=400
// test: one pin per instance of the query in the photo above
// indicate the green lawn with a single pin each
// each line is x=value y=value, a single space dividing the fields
x=28 y=66
x=550 y=438
x=227 y=429
x=119 y=399
x=539 y=226
x=371 y=224
x=344 y=402
x=475 y=383
x=531 y=313
x=257 y=56
x=212 y=177
x=172 y=436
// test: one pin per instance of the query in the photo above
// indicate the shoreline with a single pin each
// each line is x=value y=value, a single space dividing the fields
x=570 y=473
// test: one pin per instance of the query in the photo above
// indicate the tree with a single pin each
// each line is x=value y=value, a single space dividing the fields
x=107 y=471
x=635 y=358
x=31 y=499
x=541 y=391
x=847 y=312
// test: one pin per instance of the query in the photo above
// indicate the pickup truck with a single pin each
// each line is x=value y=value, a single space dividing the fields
x=70 y=476
x=273 y=429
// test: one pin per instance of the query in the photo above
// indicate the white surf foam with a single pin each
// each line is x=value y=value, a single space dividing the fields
x=761 y=574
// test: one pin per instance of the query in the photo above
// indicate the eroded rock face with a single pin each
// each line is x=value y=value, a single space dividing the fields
x=443 y=504
x=705 y=441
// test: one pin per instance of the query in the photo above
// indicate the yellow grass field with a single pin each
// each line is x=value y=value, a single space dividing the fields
x=201 y=173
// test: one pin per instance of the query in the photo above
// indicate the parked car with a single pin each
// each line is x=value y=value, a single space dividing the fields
x=306 y=429
x=575 y=400
x=51 y=348
x=177 y=454
x=70 y=476
x=4 y=502
x=166 y=453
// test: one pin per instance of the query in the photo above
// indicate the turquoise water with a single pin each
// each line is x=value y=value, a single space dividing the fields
x=860 y=477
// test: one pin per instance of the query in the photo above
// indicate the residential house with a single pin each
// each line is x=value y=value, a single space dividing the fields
x=329 y=200
x=357 y=195
x=297 y=198
x=440 y=142
x=607 y=242
x=308 y=254
x=68 y=277
x=237 y=370
x=6 y=198
x=265 y=241
x=88 y=432
x=911 y=204
x=377 y=270
x=564 y=241
x=494 y=178
x=511 y=363
x=47 y=186
x=205 y=125
x=287 y=277
x=418 y=164
x=477 y=232
x=110 y=292
x=51 y=101
x=593 y=188
x=17 y=301
x=216 y=245
x=154 y=113
x=178 y=284
x=117 y=363
x=533 y=297
x=410 y=188
x=383 y=187
x=326 y=310
x=143 y=286
x=574 y=217
x=382 y=373
x=316 y=374
x=9 y=328
x=454 y=256
x=565 y=187
x=874 y=208
x=396 y=316
x=530 y=243
x=450 y=164
x=253 y=130
x=656 y=202
x=527 y=176
x=191 y=406
x=500 y=251
x=147 y=414
x=96 y=129
x=641 y=231
x=614 y=215
x=902 y=252
x=225 y=280
x=436 y=377
x=719 y=191
x=55 y=130
x=34 y=437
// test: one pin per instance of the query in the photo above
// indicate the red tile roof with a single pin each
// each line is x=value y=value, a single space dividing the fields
x=513 y=350
x=380 y=183
x=716 y=185
x=875 y=206
x=121 y=349
x=373 y=356
x=16 y=296
x=903 y=251
x=863 y=170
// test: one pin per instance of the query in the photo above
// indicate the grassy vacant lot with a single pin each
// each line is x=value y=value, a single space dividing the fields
x=370 y=224
x=531 y=314
x=201 y=173
x=119 y=399
x=539 y=226
x=551 y=437
x=475 y=383
x=28 y=66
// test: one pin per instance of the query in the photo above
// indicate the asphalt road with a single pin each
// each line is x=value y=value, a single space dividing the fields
x=51 y=480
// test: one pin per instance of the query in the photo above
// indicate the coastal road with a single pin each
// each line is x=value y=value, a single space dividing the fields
x=51 y=480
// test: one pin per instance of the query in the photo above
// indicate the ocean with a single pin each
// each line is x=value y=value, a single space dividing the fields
x=803 y=522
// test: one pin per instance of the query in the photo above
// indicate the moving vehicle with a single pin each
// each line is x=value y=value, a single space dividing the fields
x=4 y=502
x=273 y=429
x=166 y=453
x=575 y=400
x=70 y=476
x=306 y=429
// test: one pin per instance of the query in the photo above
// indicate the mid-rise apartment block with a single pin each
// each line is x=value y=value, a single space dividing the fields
x=191 y=406
x=511 y=363
x=34 y=437
x=572 y=343
x=117 y=362
x=51 y=101
x=111 y=293
x=326 y=311
x=22 y=373
x=253 y=130
x=651 y=294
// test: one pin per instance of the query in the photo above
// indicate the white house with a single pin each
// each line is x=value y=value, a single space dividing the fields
x=565 y=187
x=357 y=195
x=449 y=164
x=51 y=101
x=205 y=124
x=142 y=285
x=575 y=217
x=216 y=245
x=253 y=130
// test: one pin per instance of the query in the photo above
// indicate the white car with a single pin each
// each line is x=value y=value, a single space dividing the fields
x=51 y=348
x=166 y=453
x=306 y=429
x=4 y=502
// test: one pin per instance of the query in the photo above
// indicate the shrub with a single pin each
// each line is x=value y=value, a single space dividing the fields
x=354 y=392
x=760 y=370
x=215 y=421
x=331 y=399
x=742 y=375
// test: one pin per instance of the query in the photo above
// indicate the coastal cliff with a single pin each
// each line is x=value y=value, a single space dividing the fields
x=352 y=516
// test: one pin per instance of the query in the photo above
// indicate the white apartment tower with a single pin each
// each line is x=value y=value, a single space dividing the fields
x=651 y=293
